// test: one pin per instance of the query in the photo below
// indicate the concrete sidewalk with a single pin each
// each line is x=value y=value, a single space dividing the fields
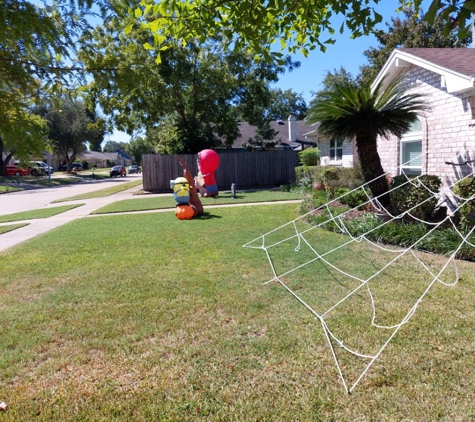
x=42 y=225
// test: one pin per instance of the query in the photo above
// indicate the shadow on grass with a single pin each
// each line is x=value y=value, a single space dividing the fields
x=208 y=216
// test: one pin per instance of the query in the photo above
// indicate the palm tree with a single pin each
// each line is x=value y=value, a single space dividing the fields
x=351 y=111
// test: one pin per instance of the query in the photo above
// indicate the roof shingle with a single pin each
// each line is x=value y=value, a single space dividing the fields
x=460 y=60
x=302 y=128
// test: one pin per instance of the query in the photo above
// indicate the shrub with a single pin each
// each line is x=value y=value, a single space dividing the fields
x=443 y=241
x=309 y=156
x=364 y=224
x=465 y=188
x=353 y=198
x=409 y=194
x=304 y=177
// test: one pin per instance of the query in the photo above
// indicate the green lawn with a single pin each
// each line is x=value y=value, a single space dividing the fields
x=152 y=202
x=39 y=213
x=101 y=193
x=146 y=317
x=9 y=227
x=7 y=189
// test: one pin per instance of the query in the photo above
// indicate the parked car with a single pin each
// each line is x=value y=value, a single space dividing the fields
x=74 y=166
x=134 y=169
x=45 y=167
x=118 y=171
x=35 y=169
x=13 y=170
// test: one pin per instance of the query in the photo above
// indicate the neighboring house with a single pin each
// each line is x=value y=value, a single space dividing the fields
x=106 y=159
x=335 y=152
x=445 y=132
x=291 y=134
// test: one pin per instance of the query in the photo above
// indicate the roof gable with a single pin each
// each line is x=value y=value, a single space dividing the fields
x=303 y=132
x=95 y=155
x=456 y=66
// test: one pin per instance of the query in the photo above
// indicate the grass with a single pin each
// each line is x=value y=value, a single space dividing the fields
x=7 y=189
x=11 y=227
x=39 y=213
x=159 y=202
x=145 y=317
x=101 y=193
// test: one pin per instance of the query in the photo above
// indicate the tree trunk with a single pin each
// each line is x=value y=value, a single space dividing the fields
x=4 y=163
x=372 y=169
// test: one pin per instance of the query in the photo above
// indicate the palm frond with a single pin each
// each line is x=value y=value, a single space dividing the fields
x=348 y=110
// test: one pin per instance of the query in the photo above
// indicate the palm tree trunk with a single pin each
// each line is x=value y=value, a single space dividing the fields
x=372 y=169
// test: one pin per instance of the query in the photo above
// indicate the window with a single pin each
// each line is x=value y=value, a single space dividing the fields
x=336 y=150
x=411 y=150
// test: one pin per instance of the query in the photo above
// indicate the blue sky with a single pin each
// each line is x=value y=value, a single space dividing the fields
x=345 y=52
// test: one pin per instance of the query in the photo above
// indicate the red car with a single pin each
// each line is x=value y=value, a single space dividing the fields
x=15 y=171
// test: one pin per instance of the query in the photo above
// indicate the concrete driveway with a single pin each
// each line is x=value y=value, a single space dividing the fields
x=33 y=199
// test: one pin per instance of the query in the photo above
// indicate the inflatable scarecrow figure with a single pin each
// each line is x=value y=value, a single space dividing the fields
x=186 y=196
x=208 y=162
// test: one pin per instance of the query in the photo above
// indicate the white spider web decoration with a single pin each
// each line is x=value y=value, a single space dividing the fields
x=318 y=269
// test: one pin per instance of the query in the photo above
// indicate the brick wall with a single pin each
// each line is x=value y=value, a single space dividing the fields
x=447 y=131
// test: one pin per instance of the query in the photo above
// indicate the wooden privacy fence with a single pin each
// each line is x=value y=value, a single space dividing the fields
x=245 y=169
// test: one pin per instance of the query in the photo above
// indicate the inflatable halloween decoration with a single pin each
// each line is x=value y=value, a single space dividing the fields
x=186 y=196
x=184 y=212
x=181 y=190
x=208 y=162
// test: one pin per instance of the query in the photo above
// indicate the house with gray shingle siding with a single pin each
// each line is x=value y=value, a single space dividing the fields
x=444 y=134
x=291 y=134
x=106 y=159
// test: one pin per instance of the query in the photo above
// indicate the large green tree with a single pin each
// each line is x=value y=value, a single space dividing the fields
x=17 y=123
x=138 y=147
x=114 y=146
x=332 y=80
x=96 y=128
x=71 y=129
x=284 y=103
x=412 y=31
x=357 y=112
x=36 y=39
x=195 y=89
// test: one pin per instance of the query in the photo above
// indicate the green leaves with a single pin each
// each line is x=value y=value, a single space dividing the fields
x=252 y=25
x=296 y=26
x=431 y=13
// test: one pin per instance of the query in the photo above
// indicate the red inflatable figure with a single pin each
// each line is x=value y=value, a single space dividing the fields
x=208 y=162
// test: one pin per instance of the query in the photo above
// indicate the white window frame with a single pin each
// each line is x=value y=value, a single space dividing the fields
x=335 y=147
x=412 y=136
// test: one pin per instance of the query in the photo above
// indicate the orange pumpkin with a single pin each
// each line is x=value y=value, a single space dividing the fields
x=184 y=212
